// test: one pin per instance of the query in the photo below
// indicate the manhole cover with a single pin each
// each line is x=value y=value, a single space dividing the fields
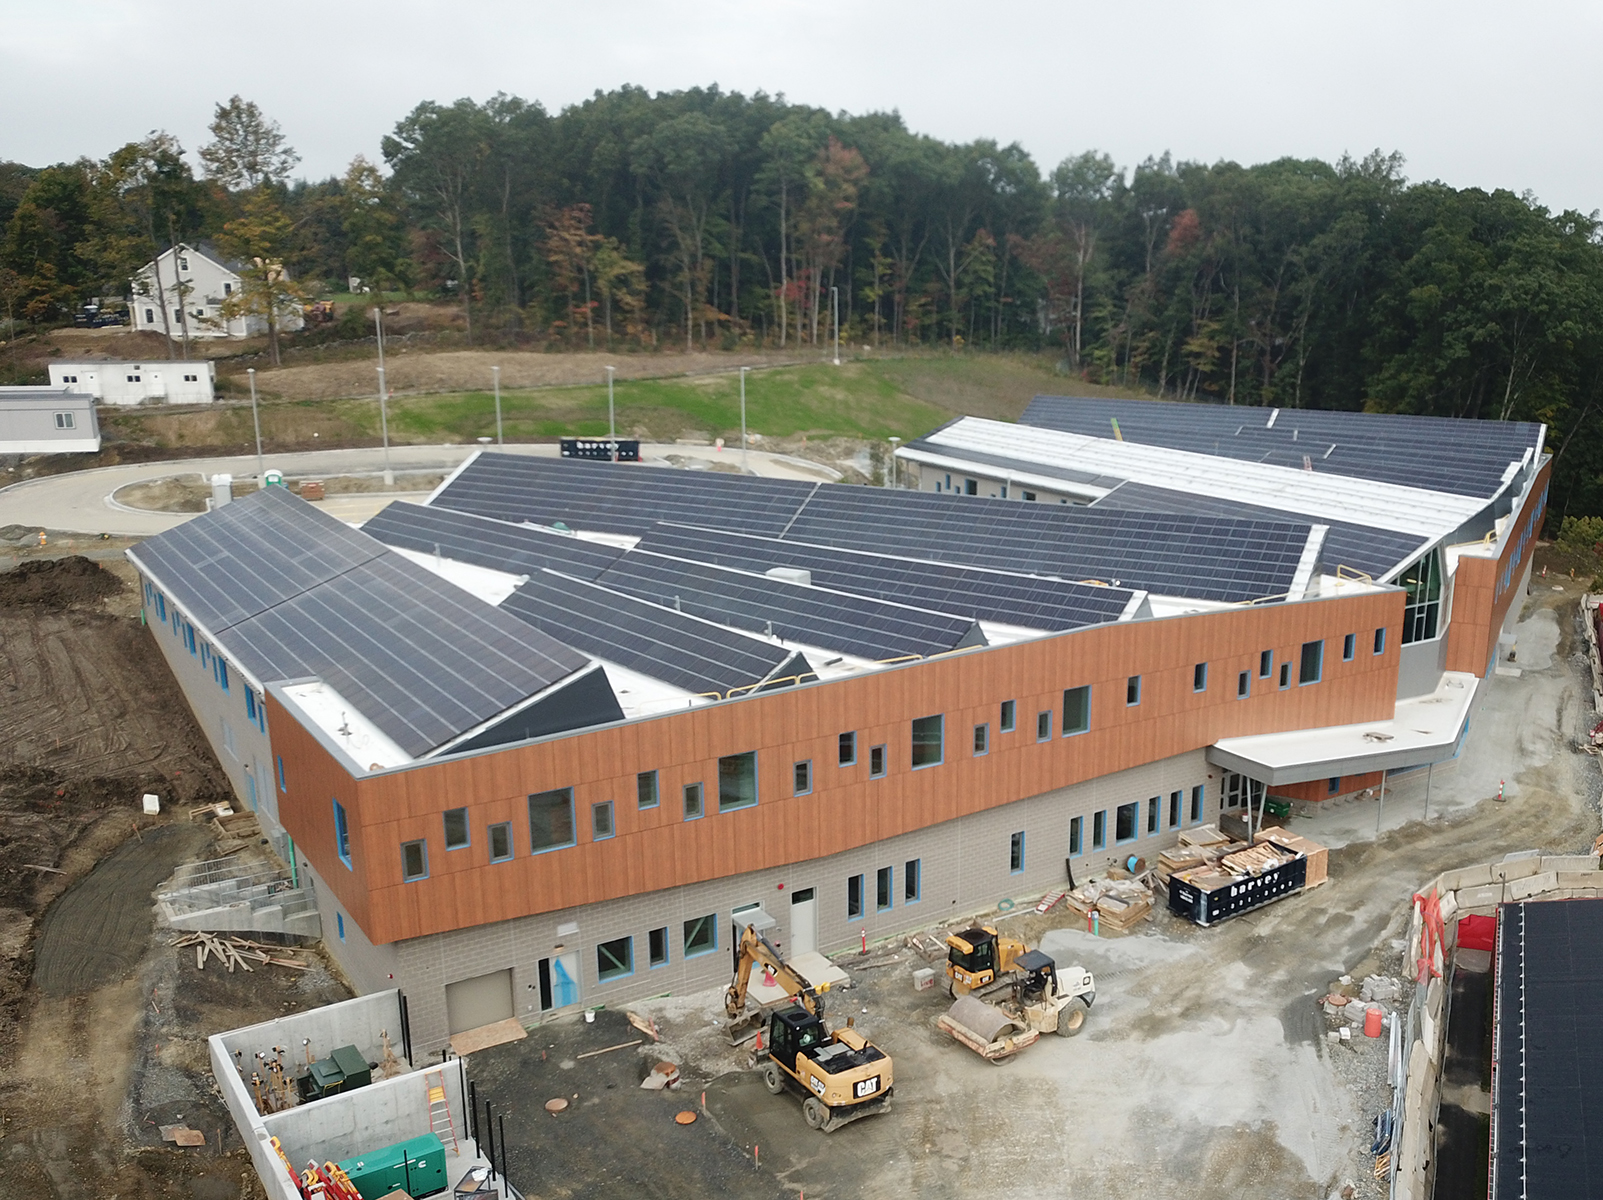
x=556 y=1106
x=686 y=1118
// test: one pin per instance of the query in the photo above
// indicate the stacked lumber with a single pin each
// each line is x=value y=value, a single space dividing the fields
x=1255 y=860
x=1318 y=856
x=1120 y=903
x=234 y=952
x=235 y=831
x=1202 y=847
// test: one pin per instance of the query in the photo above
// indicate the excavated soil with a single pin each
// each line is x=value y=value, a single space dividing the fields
x=56 y=585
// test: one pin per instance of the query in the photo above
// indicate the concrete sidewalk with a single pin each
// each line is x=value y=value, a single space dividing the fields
x=80 y=502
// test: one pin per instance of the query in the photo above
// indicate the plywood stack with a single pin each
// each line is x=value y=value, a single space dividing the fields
x=1200 y=847
x=1119 y=903
x=1318 y=856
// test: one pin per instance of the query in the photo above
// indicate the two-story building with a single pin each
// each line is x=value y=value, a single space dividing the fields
x=181 y=293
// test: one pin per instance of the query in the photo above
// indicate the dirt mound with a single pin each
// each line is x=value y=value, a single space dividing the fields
x=53 y=584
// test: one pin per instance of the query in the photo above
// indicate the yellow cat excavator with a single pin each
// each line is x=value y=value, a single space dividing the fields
x=839 y=1073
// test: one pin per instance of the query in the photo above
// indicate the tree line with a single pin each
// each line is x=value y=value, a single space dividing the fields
x=705 y=219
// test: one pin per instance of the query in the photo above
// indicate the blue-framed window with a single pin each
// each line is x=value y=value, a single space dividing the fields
x=189 y=638
x=1015 y=853
x=1076 y=836
x=854 y=897
x=220 y=672
x=161 y=606
x=884 y=889
x=602 y=825
x=1154 y=810
x=701 y=935
x=457 y=834
x=929 y=748
x=1099 y=829
x=339 y=924
x=501 y=841
x=646 y=793
x=414 y=861
x=737 y=781
x=1132 y=692
x=1311 y=668
x=261 y=712
x=282 y=785
x=912 y=880
x=694 y=806
x=801 y=782
x=982 y=740
x=551 y=824
x=1197 y=802
x=342 y=834
x=846 y=750
x=1009 y=716
x=1076 y=709
x=1348 y=647
x=657 y=946
x=1127 y=822
x=1380 y=640
x=1043 y=725
x=615 y=959
x=250 y=706
x=1176 y=799
x=1243 y=685
x=1199 y=677
x=1266 y=663
x=876 y=762
x=1285 y=675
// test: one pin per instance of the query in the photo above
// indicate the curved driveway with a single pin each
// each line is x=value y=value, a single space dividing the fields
x=80 y=501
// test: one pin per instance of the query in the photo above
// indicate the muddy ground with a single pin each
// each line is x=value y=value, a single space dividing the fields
x=1204 y=1072
x=102 y=1024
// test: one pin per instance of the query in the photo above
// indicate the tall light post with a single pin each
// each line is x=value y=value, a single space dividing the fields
x=612 y=419
x=255 y=416
x=496 y=371
x=834 y=305
x=383 y=411
x=890 y=476
x=743 y=371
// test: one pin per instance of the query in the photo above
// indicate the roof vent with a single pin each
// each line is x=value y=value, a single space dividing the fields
x=791 y=575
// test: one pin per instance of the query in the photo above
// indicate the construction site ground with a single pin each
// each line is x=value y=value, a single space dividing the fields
x=1204 y=1071
x=102 y=1023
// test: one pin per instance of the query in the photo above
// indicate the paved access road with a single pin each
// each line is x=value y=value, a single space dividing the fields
x=81 y=501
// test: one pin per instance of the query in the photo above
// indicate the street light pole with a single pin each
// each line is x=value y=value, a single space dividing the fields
x=384 y=426
x=743 y=371
x=834 y=304
x=890 y=476
x=612 y=419
x=255 y=416
x=496 y=371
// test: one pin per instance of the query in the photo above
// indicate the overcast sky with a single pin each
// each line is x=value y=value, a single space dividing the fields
x=1473 y=93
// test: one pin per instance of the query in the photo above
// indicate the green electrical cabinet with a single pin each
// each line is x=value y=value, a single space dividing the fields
x=339 y=1072
x=415 y=1166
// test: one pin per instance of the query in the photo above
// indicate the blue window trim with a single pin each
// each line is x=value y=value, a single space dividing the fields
x=1154 y=816
x=890 y=873
x=612 y=820
x=445 y=837
x=1380 y=640
x=985 y=725
x=1007 y=720
x=1136 y=837
x=282 y=785
x=1099 y=829
x=1067 y=732
x=1243 y=685
x=941 y=761
x=342 y=835
x=221 y=672
x=250 y=706
x=918 y=882
x=884 y=762
x=1197 y=804
x=1076 y=836
x=808 y=790
x=1047 y=735
x=1203 y=686
x=667 y=950
x=189 y=639
x=1177 y=800
x=1016 y=839
x=512 y=846
x=573 y=824
x=862 y=906
x=339 y=923
x=702 y=795
x=405 y=878
x=1132 y=684
x=852 y=760
x=712 y=949
x=1320 y=675
x=629 y=942
x=1349 y=647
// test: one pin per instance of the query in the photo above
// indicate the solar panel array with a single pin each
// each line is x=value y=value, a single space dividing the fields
x=1205 y=557
x=498 y=545
x=1443 y=454
x=291 y=592
x=966 y=591
x=616 y=497
x=659 y=642
x=850 y=624
x=1361 y=547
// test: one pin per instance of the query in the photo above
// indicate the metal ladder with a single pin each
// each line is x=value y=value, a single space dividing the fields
x=441 y=1123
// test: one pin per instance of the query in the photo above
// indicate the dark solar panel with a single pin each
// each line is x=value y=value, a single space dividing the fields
x=1372 y=551
x=1204 y=557
x=814 y=616
x=247 y=556
x=1460 y=457
x=670 y=646
x=515 y=549
x=617 y=497
x=966 y=591
x=1547 y=1124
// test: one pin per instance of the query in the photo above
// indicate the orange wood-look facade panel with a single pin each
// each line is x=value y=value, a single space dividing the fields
x=1484 y=588
x=1319 y=789
x=657 y=848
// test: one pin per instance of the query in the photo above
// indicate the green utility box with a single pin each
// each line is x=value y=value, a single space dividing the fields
x=415 y=1166
x=339 y=1072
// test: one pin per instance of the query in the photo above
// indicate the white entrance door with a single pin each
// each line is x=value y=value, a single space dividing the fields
x=803 y=922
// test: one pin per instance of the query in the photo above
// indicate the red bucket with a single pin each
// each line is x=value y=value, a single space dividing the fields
x=1372 y=1021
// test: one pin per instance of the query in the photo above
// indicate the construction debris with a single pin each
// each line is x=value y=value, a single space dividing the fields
x=610 y=1049
x=233 y=951
x=1117 y=903
x=663 y=1075
x=645 y=1025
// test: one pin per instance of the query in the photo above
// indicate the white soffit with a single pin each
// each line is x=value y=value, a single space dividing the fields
x=1307 y=494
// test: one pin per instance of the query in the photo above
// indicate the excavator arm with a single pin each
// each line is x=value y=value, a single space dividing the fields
x=755 y=950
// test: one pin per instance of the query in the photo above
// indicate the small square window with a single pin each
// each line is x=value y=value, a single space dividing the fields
x=501 y=841
x=854 y=897
x=1347 y=647
x=928 y=733
x=737 y=781
x=1243 y=685
x=802 y=778
x=1076 y=836
x=615 y=959
x=1009 y=711
x=601 y=825
x=701 y=935
x=1099 y=830
x=846 y=750
x=1125 y=818
x=1380 y=640
x=1285 y=674
x=1076 y=710
x=456 y=828
x=1196 y=803
x=1334 y=785
x=876 y=762
x=1199 y=677
x=1266 y=663
x=1312 y=666
x=414 y=861
x=657 y=946
x=1015 y=853
x=1174 y=809
x=692 y=801
x=646 y=789
x=1132 y=690
x=982 y=740
x=1043 y=726
x=912 y=880
x=884 y=885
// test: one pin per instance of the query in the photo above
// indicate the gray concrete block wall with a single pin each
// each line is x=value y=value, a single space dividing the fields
x=965 y=869
x=370 y=968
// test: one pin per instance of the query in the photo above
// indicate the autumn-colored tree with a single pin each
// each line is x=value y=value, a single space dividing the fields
x=570 y=249
x=260 y=239
x=833 y=179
